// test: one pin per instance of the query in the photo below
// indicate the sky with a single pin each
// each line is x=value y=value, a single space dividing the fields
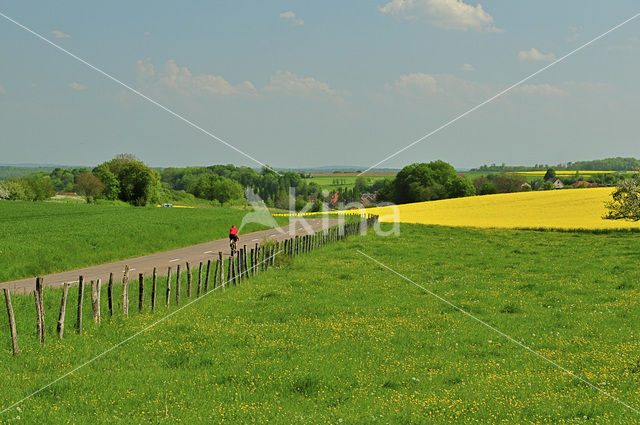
x=306 y=84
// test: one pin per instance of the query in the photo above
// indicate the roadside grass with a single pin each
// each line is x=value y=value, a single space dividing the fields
x=334 y=338
x=45 y=237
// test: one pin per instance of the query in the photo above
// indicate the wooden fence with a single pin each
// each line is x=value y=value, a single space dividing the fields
x=217 y=273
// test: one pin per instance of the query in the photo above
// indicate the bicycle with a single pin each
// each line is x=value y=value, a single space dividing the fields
x=234 y=246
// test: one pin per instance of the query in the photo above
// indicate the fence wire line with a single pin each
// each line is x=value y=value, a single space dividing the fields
x=515 y=341
x=109 y=76
x=500 y=94
x=130 y=337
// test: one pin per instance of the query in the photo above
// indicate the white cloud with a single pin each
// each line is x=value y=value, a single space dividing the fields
x=535 y=55
x=59 y=34
x=447 y=14
x=450 y=89
x=417 y=84
x=289 y=84
x=467 y=67
x=546 y=90
x=181 y=80
x=77 y=86
x=290 y=15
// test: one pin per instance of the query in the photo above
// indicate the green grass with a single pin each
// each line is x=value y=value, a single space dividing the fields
x=333 y=338
x=45 y=237
x=329 y=182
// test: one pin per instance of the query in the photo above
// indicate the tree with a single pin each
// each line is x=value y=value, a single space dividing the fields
x=136 y=181
x=111 y=184
x=426 y=182
x=626 y=202
x=550 y=174
x=41 y=188
x=88 y=186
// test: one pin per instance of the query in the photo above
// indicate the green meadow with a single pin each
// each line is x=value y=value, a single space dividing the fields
x=333 y=183
x=332 y=337
x=45 y=237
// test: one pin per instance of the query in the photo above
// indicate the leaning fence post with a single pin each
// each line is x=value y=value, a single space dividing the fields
x=79 y=311
x=168 y=295
x=12 y=322
x=95 y=300
x=125 y=291
x=63 y=309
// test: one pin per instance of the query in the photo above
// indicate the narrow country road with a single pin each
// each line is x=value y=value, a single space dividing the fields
x=162 y=260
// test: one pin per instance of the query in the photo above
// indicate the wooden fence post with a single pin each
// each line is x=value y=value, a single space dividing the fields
x=79 y=311
x=125 y=291
x=230 y=266
x=168 y=295
x=199 y=280
x=110 y=294
x=63 y=309
x=221 y=259
x=39 y=307
x=178 y=285
x=12 y=322
x=140 y=292
x=188 y=280
x=206 y=279
x=95 y=300
x=215 y=274
x=154 y=288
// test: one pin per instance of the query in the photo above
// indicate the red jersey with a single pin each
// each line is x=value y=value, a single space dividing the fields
x=233 y=231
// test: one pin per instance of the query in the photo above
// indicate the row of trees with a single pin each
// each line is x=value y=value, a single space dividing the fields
x=607 y=164
x=227 y=182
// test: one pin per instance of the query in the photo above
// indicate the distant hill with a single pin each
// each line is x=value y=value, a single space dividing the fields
x=11 y=171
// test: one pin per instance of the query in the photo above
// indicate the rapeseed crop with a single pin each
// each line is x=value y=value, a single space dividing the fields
x=554 y=209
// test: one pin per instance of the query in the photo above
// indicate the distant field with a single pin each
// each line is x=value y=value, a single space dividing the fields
x=336 y=339
x=334 y=181
x=46 y=237
x=564 y=209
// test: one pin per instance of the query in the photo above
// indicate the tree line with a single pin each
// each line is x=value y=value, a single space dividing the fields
x=607 y=164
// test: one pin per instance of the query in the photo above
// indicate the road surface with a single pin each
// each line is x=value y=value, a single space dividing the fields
x=162 y=260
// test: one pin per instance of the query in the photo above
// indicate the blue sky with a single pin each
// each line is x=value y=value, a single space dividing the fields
x=299 y=84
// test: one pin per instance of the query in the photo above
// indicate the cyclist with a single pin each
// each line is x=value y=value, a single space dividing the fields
x=233 y=238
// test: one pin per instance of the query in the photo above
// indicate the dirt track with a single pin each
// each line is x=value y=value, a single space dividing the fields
x=193 y=254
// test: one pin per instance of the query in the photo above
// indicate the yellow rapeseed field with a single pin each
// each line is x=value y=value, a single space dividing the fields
x=561 y=209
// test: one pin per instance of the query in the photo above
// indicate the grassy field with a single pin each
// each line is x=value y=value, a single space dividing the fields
x=333 y=338
x=40 y=238
x=562 y=209
x=332 y=182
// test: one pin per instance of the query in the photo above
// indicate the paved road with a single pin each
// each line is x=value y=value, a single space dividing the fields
x=193 y=254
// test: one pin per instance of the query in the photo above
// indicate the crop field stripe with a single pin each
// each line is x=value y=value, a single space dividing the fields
x=125 y=340
x=502 y=333
x=503 y=92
